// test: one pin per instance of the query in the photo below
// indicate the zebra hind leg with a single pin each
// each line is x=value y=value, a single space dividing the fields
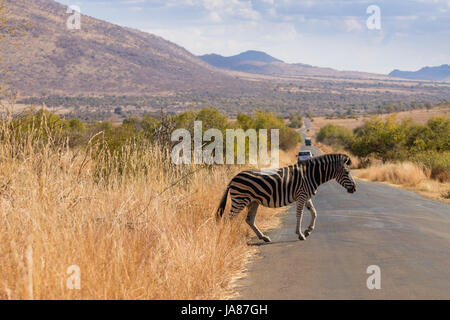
x=237 y=205
x=251 y=215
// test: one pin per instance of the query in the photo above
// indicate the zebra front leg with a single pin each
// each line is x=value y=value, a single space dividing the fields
x=298 y=229
x=313 y=212
x=252 y=209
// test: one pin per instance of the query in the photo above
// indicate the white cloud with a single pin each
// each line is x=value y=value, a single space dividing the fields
x=215 y=17
x=232 y=38
x=132 y=1
x=353 y=25
x=230 y=8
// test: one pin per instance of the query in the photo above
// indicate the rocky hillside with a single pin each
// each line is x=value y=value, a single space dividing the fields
x=99 y=58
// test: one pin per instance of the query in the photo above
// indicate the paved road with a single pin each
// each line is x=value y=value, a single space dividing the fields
x=406 y=235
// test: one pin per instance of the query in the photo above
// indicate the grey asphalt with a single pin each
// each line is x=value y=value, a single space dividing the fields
x=404 y=234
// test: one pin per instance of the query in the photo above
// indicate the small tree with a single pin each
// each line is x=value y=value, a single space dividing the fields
x=296 y=121
x=382 y=139
x=118 y=111
x=335 y=135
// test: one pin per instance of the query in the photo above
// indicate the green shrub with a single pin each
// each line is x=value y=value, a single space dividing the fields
x=380 y=138
x=295 y=121
x=335 y=135
x=437 y=162
x=435 y=135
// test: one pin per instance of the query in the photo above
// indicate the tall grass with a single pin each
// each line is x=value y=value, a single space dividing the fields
x=411 y=175
x=406 y=173
x=137 y=226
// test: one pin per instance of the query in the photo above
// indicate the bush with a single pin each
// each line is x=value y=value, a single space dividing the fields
x=295 y=121
x=334 y=135
x=289 y=138
x=437 y=162
x=382 y=139
x=435 y=135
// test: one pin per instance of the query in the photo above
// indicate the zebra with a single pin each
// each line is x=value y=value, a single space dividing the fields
x=295 y=183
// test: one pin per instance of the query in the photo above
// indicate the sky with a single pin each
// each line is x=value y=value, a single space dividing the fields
x=357 y=35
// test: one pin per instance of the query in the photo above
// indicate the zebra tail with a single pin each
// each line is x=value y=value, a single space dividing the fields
x=222 y=204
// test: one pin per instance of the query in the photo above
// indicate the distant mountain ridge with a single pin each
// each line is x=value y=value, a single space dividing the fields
x=251 y=55
x=439 y=73
x=261 y=63
x=248 y=61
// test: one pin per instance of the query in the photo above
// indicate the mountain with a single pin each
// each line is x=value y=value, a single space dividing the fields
x=262 y=63
x=440 y=73
x=99 y=58
x=249 y=61
x=238 y=62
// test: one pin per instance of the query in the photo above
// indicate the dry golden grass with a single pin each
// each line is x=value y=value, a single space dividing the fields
x=139 y=236
x=407 y=175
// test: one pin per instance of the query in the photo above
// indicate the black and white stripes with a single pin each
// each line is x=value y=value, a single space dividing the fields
x=296 y=183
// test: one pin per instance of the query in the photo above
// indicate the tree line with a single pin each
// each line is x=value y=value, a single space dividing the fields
x=148 y=129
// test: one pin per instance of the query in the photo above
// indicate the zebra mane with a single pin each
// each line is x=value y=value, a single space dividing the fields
x=334 y=157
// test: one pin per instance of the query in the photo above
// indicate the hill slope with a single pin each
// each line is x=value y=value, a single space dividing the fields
x=100 y=58
x=440 y=73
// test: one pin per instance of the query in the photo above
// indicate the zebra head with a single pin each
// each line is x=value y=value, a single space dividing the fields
x=343 y=175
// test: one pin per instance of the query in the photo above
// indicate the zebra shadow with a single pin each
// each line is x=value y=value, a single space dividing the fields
x=259 y=243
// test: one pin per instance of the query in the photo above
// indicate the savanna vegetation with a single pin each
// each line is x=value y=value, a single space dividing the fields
x=314 y=99
x=295 y=121
x=402 y=152
x=107 y=199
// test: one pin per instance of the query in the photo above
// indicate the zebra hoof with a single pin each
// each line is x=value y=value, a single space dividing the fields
x=266 y=239
x=307 y=233
x=301 y=237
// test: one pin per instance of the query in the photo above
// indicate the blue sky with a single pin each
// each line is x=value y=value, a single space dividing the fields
x=413 y=34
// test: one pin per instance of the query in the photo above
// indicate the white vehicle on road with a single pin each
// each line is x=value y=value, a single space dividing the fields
x=304 y=155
